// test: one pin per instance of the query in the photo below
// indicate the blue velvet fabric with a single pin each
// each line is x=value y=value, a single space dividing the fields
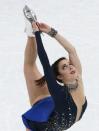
x=40 y=111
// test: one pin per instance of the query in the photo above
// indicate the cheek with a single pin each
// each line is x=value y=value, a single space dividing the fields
x=65 y=72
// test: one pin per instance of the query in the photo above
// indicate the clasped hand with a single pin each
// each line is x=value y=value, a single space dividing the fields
x=41 y=27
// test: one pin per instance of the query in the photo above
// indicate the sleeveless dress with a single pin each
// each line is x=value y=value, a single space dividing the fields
x=54 y=113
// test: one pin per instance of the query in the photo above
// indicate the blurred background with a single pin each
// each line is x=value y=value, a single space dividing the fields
x=77 y=21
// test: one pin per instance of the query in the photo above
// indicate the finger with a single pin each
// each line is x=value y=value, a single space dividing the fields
x=41 y=24
x=38 y=24
x=33 y=24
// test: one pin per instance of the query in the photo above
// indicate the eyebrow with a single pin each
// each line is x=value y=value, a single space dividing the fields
x=64 y=65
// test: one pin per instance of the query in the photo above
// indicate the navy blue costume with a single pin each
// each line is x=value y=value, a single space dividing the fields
x=57 y=112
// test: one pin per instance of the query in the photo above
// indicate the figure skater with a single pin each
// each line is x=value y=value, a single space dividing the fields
x=54 y=107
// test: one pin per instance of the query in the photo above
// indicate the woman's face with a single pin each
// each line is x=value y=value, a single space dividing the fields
x=67 y=71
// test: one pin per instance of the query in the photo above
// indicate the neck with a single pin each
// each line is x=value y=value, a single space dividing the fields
x=70 y=82
x=72 y=85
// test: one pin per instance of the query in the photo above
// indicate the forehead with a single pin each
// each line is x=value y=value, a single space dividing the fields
x=62 y=62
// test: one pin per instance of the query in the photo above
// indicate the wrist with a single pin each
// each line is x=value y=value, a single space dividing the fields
x=52 y=32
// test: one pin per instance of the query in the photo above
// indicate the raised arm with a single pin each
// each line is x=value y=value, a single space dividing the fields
x=49 y=75
x=73 y=57
x=54 y=88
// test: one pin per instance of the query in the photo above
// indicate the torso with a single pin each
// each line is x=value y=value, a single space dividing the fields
x=61 y=120
x=77 y=95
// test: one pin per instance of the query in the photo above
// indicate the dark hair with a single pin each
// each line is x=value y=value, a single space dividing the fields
x=54 y=66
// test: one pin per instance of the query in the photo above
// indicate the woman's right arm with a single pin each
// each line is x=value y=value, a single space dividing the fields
x=53 y=86
x=59 y=96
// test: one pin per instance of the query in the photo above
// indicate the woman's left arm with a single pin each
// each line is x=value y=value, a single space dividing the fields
x=73 y=57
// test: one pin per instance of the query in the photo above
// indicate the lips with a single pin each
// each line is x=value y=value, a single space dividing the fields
x=72 y=72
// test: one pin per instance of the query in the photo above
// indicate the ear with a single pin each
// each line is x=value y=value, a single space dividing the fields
x=60 y=77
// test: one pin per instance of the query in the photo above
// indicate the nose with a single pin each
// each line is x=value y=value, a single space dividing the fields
x=71 y=67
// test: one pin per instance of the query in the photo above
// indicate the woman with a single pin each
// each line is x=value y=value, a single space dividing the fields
x=54 y=107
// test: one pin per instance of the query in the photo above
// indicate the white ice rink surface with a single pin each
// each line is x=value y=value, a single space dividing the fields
x=78 y=21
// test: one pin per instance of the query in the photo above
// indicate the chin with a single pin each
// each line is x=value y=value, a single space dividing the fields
x=74 y=75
